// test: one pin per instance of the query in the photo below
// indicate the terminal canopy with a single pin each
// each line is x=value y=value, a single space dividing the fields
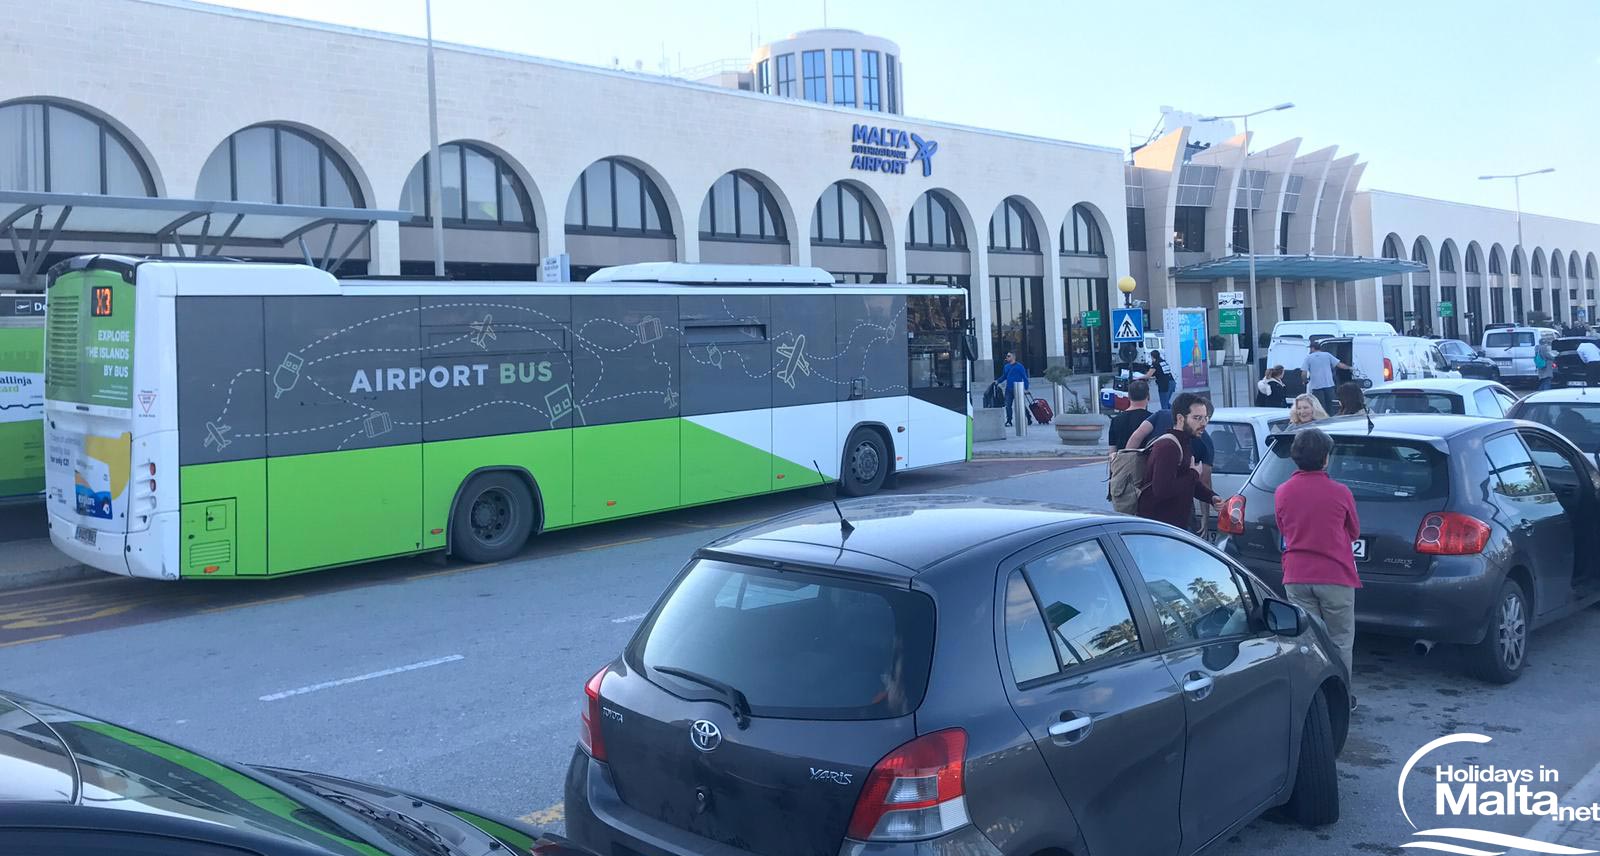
x=1335 y=268
x=34 y=222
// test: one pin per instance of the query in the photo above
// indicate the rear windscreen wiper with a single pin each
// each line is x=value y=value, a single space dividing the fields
x=734 y=699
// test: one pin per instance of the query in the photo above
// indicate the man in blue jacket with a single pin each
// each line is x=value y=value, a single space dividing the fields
x=1014 y=372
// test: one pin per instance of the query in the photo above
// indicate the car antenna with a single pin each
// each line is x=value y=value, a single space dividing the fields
x=845 y=527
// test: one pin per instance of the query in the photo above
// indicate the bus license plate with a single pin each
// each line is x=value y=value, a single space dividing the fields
x=86 y=535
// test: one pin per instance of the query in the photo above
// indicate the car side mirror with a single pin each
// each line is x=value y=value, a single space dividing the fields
x=1283 y=618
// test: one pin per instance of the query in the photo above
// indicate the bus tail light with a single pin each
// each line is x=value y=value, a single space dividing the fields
x=1231 y=520
x=1446 y=533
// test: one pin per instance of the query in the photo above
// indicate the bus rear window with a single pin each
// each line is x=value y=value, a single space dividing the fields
x=1375 y=469
x=89 y=339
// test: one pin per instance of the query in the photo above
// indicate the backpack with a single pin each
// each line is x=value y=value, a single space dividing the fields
x=994 y=396
x=1125 y=476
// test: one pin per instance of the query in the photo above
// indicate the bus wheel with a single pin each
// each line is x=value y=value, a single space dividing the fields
x=492 y=519
x=866 y=463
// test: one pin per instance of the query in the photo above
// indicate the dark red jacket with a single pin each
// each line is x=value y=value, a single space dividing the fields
x=1170 y=484
x=1317 y=517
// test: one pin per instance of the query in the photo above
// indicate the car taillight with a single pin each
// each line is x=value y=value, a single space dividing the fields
x=917 y=791
x=1231 y=520
x=1446 y=533
x=1388 y=369
x=590 y=737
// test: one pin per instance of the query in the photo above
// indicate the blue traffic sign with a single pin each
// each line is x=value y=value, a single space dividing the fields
x=1127 y=325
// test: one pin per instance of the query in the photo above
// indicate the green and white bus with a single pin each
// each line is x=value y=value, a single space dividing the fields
x=229 y=419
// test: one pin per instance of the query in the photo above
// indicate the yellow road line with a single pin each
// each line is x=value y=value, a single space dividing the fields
x=26 y=641
x=451 y=571
x=53 y=586
x=545 y=816
x=254 y=603
x=619 y=543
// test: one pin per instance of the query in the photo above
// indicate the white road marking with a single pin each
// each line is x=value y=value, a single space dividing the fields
x=367 y=677
x=629 y=619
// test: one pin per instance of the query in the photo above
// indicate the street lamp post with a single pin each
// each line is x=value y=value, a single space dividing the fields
x=1249 y=210
x=435 y=171
x=1516 y=184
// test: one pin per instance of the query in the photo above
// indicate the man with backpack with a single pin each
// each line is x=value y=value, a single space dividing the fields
x=1172 y=478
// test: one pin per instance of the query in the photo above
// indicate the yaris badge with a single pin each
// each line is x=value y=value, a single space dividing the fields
x=705 y=735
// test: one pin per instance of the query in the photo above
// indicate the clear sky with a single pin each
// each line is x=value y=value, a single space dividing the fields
x=1431 y=94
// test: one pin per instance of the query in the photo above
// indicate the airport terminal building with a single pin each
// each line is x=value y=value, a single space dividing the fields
x=804 y=154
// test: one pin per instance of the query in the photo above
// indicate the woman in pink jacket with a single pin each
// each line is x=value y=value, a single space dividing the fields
x=1317 y=517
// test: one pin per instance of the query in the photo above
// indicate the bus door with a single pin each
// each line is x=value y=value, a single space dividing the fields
x=938 y=361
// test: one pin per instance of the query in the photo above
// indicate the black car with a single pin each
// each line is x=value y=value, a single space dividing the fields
x=957 y=676
x=1571 y=370
x=1572 y=413
x=1473 y=530
x=72 y=785
x=1463 y=358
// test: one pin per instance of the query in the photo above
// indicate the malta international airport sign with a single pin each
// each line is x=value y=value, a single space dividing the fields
x=890 y=150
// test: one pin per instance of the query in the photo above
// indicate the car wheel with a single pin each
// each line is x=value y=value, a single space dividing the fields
x=1315 y=799
x=1499 y=658
x=492 y=518
x=865 y=465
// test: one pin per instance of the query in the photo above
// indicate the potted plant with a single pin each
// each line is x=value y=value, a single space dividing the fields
x=1079 y=423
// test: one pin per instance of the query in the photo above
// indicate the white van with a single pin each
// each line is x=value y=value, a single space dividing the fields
x=1385 y=359
x=1306 y=330
x=1512 y=349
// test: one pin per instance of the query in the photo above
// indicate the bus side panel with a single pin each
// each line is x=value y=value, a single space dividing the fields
x=874 y=369
x=546 y=455
x=726 y=455
x=244 y=483
x=338 y=507
x=624 y=469
x=805 y=390
x=938 y=435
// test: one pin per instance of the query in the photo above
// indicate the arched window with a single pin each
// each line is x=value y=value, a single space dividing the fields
x=740 y=208
x=1391 y=247
x=478 y=189
x=1589 y=268
x=1572 y=265
x=276 y=163
x=1538 y=266
x=52 y=148
x=843 y=215
x=1447 y=259
x=1085 y=239
x=935 y=223
x=1011 y=228
x=1555 y=265
x=615 y=196
x=1472 y=260
x=1419 y=253
x=1516 y=262
x=1496 y=266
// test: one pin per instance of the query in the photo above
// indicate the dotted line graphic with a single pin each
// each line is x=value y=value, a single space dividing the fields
x=341 y=331
x=388 y=350
x=229 y=400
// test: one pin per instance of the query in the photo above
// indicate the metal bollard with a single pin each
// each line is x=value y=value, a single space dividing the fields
x=1019 y=406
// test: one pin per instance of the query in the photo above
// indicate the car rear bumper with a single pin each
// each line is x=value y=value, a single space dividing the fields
x=1450 y=603
x=599 y=820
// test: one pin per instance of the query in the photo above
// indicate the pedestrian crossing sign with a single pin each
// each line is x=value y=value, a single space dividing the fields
x=1127 y=325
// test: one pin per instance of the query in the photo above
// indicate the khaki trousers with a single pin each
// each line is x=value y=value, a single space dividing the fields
x=1336 y=606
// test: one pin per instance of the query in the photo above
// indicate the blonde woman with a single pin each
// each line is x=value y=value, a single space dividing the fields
x=1307 y=409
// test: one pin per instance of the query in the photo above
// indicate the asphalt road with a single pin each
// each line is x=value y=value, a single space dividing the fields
x=466 y=682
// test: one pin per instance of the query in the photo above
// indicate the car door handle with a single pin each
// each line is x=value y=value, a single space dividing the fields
x=1071 y=727
x=1198 y=685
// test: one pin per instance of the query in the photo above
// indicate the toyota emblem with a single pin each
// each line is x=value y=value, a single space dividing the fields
x=705 y=735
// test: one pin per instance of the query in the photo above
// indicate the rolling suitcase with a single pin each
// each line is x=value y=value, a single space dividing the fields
x=1040 y=409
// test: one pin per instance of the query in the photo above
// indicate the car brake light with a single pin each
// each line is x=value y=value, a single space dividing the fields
x=917 y=791
x=590 y=737
x=1388 y=369
x=1446 y=533
x=1231 y=520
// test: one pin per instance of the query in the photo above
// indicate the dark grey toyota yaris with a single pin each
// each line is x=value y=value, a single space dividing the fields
x=957 y=676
